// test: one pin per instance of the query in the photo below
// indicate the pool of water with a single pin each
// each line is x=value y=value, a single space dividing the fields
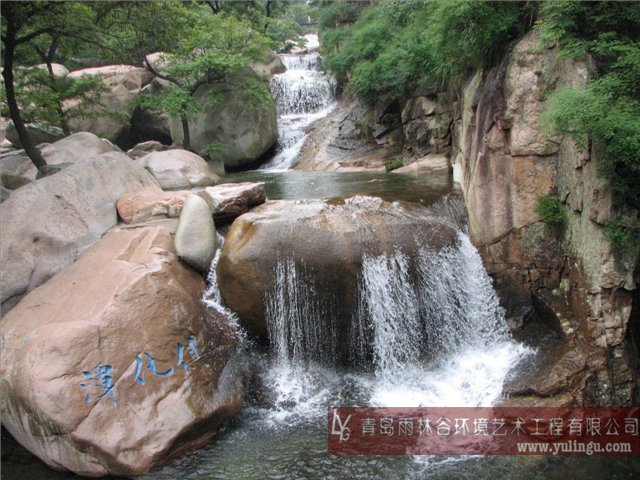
x=252 y=450
x=296 y=185
x=281 y=433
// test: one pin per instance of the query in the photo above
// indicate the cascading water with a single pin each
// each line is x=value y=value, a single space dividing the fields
x=430 y=327
x=303 y=94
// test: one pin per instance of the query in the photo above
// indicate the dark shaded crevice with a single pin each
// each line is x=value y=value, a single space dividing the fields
x=263 y=159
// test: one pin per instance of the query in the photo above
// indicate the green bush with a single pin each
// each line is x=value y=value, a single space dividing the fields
x=394 y=163
x=396 y=45
x=607 y=112
x=624 y=236
x=550 y=210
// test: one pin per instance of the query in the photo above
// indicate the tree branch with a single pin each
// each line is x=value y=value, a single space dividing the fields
x=160 y=75
x=32 y=35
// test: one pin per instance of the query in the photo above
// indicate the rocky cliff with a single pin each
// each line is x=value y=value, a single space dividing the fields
x=505 y=160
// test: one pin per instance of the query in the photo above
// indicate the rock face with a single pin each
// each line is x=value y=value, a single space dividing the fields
x=74 y=148
x=48 y=223
x=505 y=162
x=431 y=163
x=502 y=179
x=426 y=123
x=147 y=203
x=231 y=200
x=144 y=148
x=114 y=366
x=271 y=65
x=177 y=168
x=340 y=142
x=243 y=128
x=327 y=244
x=123 y=83
x=38 y=132
x=196 y=234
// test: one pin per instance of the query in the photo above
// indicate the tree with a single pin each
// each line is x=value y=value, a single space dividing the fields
x=26 y=23
x=214 y=50
x=120 y=31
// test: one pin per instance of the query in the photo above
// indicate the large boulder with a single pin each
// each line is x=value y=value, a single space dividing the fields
x=231 y=200
x=271 y=64
x=240 y=126
x=38 y=133
x=431 y=163
x=178 y=168
x=144 y=148
x=123 y=83
x=226 y=202
x=147 y=124
x=114 y=366
x=148 y=203
x=74 y=148
x=48 y=223
x=59 y=70
x=321 y=248
x=196 y=234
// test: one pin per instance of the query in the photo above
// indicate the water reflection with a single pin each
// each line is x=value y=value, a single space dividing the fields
x=296 y=185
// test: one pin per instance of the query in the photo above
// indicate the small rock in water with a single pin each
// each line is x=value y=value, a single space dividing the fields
x=196 y=235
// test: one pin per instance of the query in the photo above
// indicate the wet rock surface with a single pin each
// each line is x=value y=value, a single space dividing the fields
x=118 y=372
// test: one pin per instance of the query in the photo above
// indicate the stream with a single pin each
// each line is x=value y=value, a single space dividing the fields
x=281 y=433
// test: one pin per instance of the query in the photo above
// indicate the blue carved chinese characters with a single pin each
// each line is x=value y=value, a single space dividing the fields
x=151 y=366
x=99 y=382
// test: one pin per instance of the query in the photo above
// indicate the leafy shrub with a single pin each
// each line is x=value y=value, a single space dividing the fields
x=550 y=210
x=396 y=45
x=624 y=236
x=393 y=164
x=607 y=112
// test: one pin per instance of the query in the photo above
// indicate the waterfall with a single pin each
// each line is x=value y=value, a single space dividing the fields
x=303 y=94
x=302 y=88
x=212 y=297
x=430 y=326
x=297 y=317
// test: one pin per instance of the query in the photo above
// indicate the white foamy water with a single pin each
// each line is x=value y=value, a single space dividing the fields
x=431 y=326
x=213 y=299
x=303 y=94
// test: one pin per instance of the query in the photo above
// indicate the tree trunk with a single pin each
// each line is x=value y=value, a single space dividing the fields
x=14 y=111
x=186 y=141
x=63 y=120
x=48 y=59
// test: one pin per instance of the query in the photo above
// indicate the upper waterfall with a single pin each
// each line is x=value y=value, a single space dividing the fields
x=303 y=94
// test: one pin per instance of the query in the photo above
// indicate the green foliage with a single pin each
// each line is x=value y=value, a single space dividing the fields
x=215 y=49
x=624 y=236
x=284 y=31
x=550 y=210
x=393 y=164
x=41 y=96
x=256 y=90
x=334 y=14
x=214 y=148
x=607 y=112
x=396 y=45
